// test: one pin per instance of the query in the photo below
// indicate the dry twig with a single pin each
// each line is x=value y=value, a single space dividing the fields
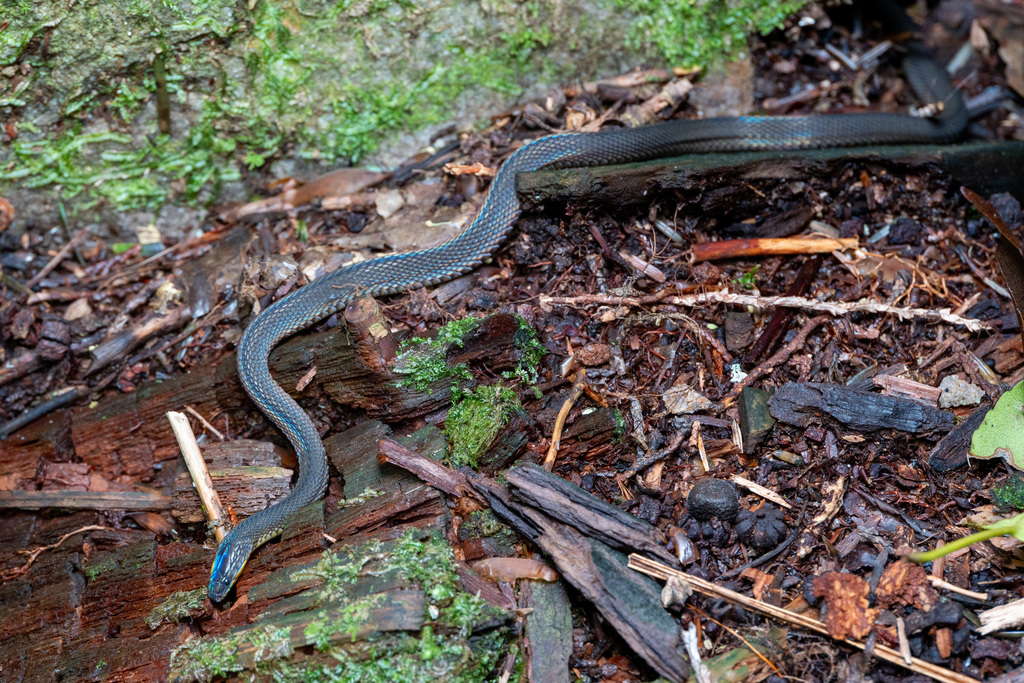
x=15 y=572
x=661 y=571
x=579 y=382
x=197 y=468
x=724 y=296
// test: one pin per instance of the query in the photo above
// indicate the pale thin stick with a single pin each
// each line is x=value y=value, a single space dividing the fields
x=901 y=635
x=55 y=261
x=196 y=415
x=578 y=383
x=197 y=468
x=756 y=488
x=661 y=571
x=724 y=296
x=952 y=588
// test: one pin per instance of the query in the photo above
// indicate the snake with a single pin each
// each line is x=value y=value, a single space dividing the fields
x=397 y=273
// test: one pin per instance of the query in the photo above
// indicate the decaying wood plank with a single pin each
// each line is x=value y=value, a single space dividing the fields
x=715 y=176
x=548 y=630
x=803 y=403
x=245 y=490
x=84 y=500
x=126 y=434
x=379 y=492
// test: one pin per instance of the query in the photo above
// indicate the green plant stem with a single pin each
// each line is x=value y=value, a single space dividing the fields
x=944 y=550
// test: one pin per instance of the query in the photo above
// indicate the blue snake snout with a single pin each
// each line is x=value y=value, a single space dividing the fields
x=227 y=565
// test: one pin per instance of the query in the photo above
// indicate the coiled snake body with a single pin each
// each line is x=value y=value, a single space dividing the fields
x=401 y=272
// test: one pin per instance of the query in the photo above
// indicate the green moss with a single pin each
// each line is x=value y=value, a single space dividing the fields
x=1010 y=494
x=99 y=564
x=475 y=419
x=207 y=658
x=337 y=571
x=620 y=426
x=203 y=659
x=431 y=658
x=269 y=75
x=177 y=606
x=350 y=618
x=450 y=646
x=530 y=351
x=424 y=361
x=698 y=32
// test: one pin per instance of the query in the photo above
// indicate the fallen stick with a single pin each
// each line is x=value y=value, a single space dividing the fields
x=197 y=468
x=724 y=296
x=657 y=570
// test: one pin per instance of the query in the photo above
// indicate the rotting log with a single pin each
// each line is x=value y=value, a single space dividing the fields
x=985 y=166
x=114 y=604
x=127 y=435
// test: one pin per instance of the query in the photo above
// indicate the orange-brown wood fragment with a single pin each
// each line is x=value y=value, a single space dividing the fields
x=846 y=601
x=775 y=246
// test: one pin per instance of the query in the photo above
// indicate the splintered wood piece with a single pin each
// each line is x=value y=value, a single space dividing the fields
x=569 y=504
x=951 y=452
x=376 y=344
x=633 y=608
x=211 y=504
x=437 y=475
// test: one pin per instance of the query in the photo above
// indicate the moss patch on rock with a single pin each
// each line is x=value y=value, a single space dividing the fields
x=323 y=80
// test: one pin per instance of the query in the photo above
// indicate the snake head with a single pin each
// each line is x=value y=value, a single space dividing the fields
x=231 y=557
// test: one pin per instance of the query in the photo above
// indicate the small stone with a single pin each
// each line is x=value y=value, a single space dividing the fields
x=958 y=392
x=713 y=498
x=739 y=330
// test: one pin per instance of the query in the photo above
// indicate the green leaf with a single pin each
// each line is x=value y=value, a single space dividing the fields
x=1011 y=525
x=1001 y=434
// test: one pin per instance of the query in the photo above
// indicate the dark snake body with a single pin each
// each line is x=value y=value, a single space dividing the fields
x=402 y=272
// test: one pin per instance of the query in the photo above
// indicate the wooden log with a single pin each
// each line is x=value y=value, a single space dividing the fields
x=987 y=166
x=126 y=434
